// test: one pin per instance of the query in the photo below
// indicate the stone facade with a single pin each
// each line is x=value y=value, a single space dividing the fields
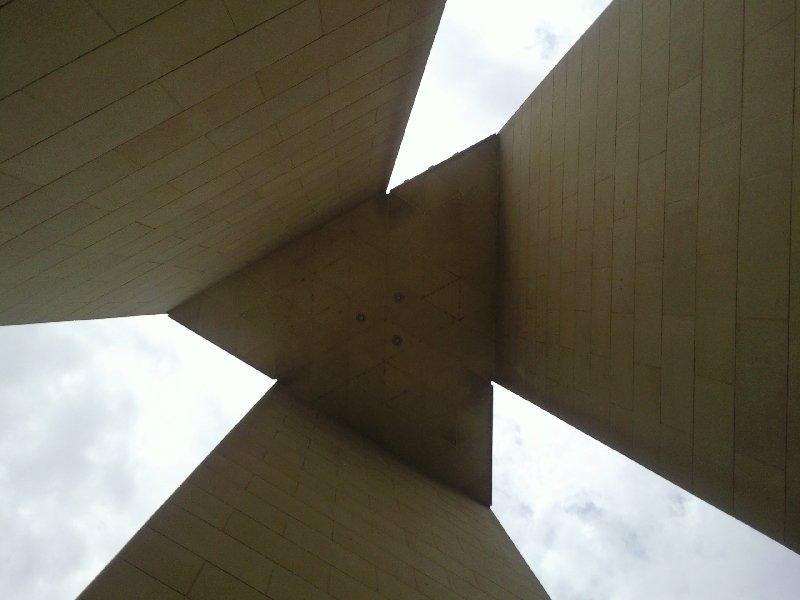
x=650 y=277
x=292 y=506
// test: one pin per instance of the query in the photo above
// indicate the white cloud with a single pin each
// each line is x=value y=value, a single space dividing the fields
x=593 y=524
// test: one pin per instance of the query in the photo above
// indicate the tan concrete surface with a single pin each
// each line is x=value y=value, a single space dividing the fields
x=148 y=149
x=412 y=372
x=291 y=506
x=648 y=241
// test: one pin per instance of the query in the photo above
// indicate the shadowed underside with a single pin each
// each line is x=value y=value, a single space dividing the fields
x=149 y=149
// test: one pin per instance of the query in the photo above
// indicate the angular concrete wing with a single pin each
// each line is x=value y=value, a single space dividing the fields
x=650 y=248
x=147 y=150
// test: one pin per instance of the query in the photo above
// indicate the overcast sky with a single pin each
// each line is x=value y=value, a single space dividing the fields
x=100 y=421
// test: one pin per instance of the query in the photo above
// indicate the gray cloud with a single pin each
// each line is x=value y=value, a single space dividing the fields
x=593 y=524
x=62 y=453
x=546 y=41
x=83 y=411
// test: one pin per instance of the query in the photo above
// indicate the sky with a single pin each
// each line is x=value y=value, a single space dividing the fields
x=100 y=421
x=594 y=525
x=483 y=65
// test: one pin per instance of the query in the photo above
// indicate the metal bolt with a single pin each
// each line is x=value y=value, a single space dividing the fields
x=361 y=317
x=398 y=297
x=397 y=340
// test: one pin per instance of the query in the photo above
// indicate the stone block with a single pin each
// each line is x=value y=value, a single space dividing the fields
x=680 y=262
x=622 y=330
x=655 y=99
x=93 y=136
x=763 y=256
x=38 y=39
x=601 y=311
x=686 y=42
x=677 y=372
x=758 y=496
x=712 y=463
x=623 y=266
x=647 y=314
x=760 y=17
x=244 y=55
x=214 y=583
x=683 y=145
x=608 y=56
x=761 y=398
x=24 y=121
x=122 y=580
x=135 y=59
x=718 y=201
x=767 y=101
x=126 y=15
x=626 y=169
x=650 y=211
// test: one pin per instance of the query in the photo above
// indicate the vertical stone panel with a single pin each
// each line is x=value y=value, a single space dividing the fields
x=763 y=275
x=590 y=49
x=646 y=417
x=723 y=45
x=655 y=78
x=608 y=68
x=647 y=316
x=760 y=425
x=630 y=59
x=324 y=316
x=712 y=473
x=622 y=360
x=686 y=42
x=792 y=527
x=572 y=120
